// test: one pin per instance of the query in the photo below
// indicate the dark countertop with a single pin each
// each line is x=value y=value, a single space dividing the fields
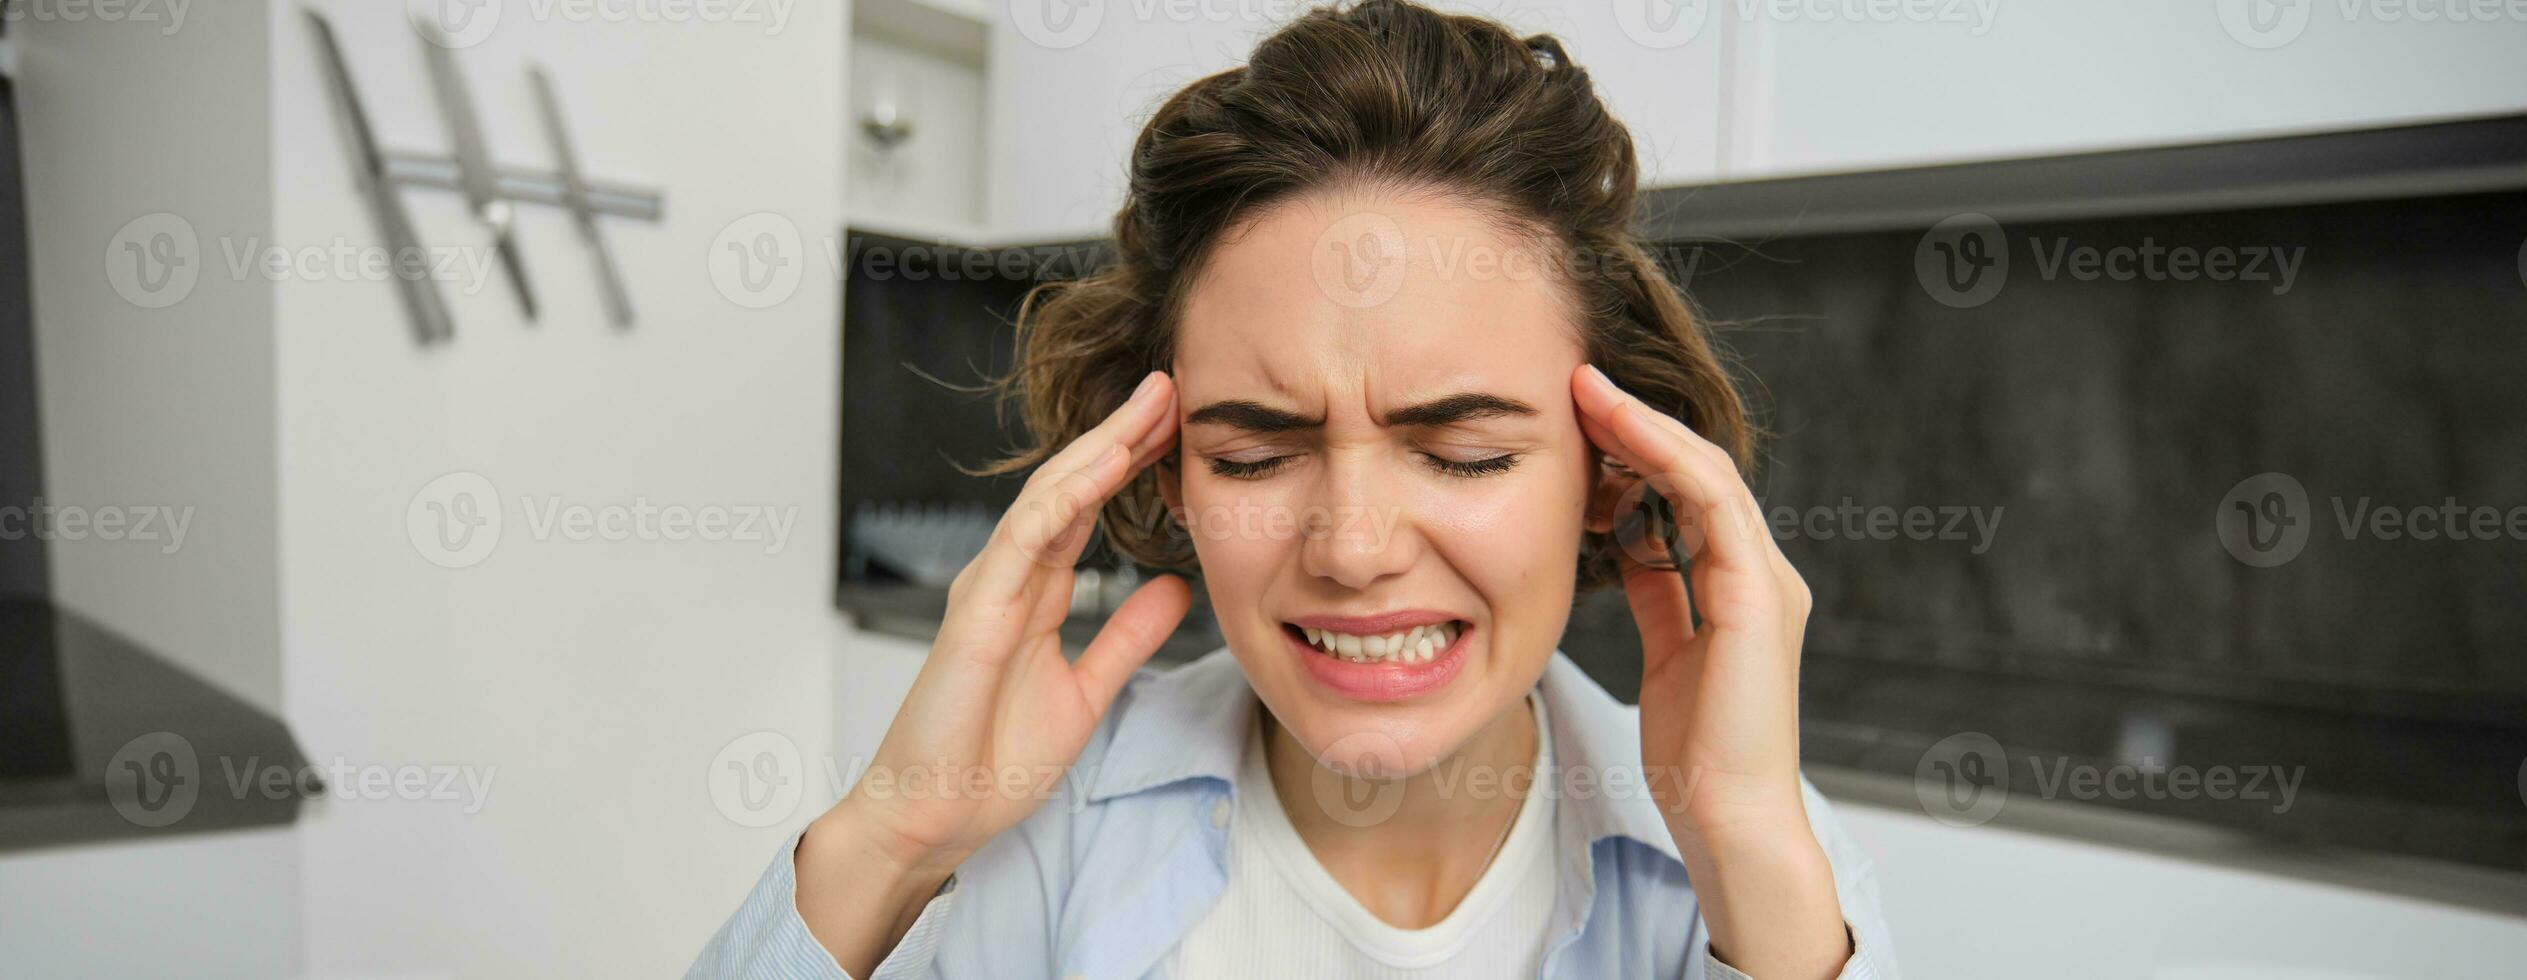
x=1973 y=746
x=101 y=740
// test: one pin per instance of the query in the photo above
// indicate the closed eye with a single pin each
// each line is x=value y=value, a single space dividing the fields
x=1240 y=469
x=1473 y=467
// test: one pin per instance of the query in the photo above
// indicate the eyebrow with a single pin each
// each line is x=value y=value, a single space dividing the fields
x=1254 y=416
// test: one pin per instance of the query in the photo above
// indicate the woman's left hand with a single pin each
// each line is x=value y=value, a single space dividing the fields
x=1719 y=701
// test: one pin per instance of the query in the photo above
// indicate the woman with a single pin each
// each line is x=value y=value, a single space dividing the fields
x=1378 y=340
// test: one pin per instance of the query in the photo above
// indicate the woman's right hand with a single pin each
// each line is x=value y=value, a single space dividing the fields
x=996 y=707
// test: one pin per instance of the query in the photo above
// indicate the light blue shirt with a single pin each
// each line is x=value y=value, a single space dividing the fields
x=1105 y=877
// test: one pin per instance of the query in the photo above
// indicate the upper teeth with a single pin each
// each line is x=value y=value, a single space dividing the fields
x=1416 y=645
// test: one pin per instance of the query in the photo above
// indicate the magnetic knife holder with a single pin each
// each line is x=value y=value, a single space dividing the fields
x=489 y=189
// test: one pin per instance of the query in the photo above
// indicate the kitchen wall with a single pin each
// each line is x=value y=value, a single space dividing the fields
x=600 y=678
x=596 y=686
x=586 y=687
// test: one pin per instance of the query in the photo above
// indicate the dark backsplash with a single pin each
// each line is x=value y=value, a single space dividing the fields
x=2105 y=422
x=2066 y=445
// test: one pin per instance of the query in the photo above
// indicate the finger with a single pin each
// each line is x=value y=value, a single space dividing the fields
x=1123 y=426
x=1149 y=448
x=1161 y=436
x=1661 y=606
x=1041 y=528
x=1702 y=487
x=1613 y=486
x=1130 y=636
x=1596 y=383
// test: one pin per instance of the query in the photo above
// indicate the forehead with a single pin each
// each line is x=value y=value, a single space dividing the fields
x=1392 y=294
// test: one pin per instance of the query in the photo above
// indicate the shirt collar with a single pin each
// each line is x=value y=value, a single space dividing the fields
x=1190 y=723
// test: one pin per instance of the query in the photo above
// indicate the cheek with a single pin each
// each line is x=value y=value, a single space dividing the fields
x=1241 y=529
x=1512 y=533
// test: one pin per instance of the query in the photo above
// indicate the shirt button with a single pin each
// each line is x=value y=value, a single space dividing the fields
x=1219 y=813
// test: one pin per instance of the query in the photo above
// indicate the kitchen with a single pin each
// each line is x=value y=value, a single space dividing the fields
x=2194 y=323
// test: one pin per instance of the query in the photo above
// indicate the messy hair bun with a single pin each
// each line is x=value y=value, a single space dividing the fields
x=1381 y=92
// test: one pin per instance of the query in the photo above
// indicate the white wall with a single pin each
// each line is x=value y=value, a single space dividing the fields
x=599 y=678
x=1990 y=902
x=211 y=907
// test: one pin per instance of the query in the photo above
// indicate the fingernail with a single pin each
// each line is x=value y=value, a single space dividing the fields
x=1601 y=377
x=1147 y=383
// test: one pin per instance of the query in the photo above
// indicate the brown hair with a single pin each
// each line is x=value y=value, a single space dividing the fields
x=1385 y=92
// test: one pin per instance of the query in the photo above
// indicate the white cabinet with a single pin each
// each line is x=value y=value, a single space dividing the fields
x=1068 y=97
x=1847 y=85
x=916 y=130
x=1742 y=89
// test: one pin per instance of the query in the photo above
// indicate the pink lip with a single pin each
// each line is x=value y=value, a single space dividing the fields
x=1385 y=680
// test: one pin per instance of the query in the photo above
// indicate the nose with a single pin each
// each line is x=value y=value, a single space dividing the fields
x=1355 y=529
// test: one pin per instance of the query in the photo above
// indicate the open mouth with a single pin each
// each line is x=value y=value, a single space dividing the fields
x=1388 y=658
x=1414 y=645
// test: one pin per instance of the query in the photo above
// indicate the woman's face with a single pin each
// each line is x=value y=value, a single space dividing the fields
x=1379 y=440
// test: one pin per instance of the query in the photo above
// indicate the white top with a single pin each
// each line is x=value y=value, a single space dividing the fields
x=1283 y=915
